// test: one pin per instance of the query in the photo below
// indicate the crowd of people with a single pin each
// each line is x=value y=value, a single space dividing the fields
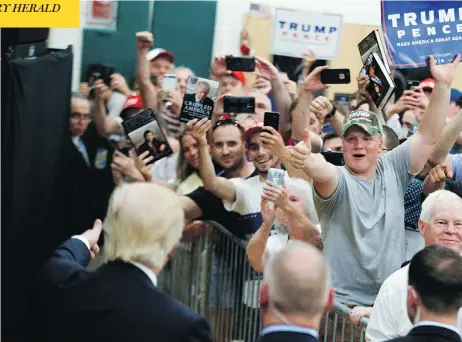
x=381 y=231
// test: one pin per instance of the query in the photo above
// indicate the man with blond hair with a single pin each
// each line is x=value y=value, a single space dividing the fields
x=440 y=224
x=294 y=294
x=120 y=301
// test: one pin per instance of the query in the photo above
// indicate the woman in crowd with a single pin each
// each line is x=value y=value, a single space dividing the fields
x=287 y=218
x=187 y=174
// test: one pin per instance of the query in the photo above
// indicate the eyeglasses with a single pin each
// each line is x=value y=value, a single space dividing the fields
x=80 y=116
x=226 y=122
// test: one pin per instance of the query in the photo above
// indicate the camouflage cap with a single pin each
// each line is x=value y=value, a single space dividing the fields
x=366 y=120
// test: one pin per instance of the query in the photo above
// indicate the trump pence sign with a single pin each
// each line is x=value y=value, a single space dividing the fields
x=295 y=33
x=414 y=30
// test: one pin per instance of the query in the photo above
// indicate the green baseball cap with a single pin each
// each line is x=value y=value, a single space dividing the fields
x=366 y=120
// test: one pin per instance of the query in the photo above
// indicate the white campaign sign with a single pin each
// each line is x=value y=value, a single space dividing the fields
x=295 y=33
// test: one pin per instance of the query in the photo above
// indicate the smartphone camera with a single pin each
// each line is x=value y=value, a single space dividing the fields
x=239 y=104
x=246 y=64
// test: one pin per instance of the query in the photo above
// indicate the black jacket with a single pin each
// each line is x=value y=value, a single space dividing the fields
x=118 y=302
x=427 y=333
x=287 y=336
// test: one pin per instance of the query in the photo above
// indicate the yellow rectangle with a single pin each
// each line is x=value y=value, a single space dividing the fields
x=40 y=13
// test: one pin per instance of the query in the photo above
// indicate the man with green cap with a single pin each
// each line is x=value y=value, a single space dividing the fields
x=361 y=204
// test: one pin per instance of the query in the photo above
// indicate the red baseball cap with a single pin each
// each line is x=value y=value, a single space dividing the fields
x=133 y=101
x=428 y=83
x=157 y=53
x=254 y=129
x=239 y=75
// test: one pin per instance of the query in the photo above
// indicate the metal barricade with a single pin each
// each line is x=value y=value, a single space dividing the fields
x=213 y=276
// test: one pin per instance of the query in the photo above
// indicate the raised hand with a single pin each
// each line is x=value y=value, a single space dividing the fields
x=272 y=141
x=268 y=212
x=102 y=91
x=275 y=194
x=363 y=83
x=440 y=173
x=144 y=40
x=92 y=236
x=300 y=153
x=118 y=82
x=320 y=107
x=444 y=73
x=199 y=129
x=219 y=66
x=313 y=82
x=266 y=69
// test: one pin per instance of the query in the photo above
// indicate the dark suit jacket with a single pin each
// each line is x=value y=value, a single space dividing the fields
x=287 y=336
x=192 y=97
x=118 y=302
x=87 y=189
x=427 y=333
x=147 y=147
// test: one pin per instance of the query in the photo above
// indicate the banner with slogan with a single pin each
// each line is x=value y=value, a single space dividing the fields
x=295 y=33
x=40 y=13
x=414 y=30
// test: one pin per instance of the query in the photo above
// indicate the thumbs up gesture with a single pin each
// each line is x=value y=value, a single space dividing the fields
x=300 y=153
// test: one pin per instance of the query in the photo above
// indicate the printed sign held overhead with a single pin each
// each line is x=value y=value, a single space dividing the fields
x=295 y=33
x=414 y=30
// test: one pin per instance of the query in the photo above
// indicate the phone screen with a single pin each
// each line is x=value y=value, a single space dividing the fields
x=169 y=82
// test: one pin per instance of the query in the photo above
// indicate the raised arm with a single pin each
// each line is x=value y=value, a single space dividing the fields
x=425 y=139
x=105 y=125
x=324 y=175
x=148 y=91
x=325 y=110
x=280 y=94
x=221 y=187
x=301 y=114
x=71 y=257
x=257 y=244
x=451 y=133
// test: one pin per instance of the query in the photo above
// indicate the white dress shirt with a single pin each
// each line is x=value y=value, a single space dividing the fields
x=151 y=275
x=389 y=318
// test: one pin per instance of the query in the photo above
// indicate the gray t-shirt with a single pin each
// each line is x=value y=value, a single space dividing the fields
x=363 y=227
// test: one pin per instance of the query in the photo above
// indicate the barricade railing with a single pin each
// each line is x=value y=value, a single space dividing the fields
x=213 y=276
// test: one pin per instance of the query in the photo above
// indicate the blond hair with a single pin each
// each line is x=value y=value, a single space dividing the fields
x=143 y=223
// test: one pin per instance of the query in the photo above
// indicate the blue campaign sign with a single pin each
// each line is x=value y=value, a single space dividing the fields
x=414 y=30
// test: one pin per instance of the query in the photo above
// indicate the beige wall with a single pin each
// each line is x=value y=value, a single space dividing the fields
x=348 y=57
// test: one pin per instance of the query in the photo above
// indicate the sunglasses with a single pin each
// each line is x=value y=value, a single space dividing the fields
x=226 y=122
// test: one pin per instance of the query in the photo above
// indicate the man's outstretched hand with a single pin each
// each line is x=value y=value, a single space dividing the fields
x=301 y=151
x=92 y=236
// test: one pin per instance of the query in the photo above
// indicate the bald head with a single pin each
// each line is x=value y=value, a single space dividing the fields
x=298 y=280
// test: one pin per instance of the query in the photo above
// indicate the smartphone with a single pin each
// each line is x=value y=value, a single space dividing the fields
x=335 y=76
x=335 y=158
x=169 y=82
x=276 y=176
x=412 y=84
x=271 y=119
x=240 y=63
x=239 y=104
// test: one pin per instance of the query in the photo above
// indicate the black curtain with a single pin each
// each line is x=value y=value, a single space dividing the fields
x=35 y=126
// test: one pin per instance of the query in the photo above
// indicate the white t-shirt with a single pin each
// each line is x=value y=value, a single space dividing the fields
x=389 y=318
x=165 y=169
x=248 y=202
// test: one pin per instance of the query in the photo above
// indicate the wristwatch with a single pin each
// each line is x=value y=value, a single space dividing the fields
x=332 y=112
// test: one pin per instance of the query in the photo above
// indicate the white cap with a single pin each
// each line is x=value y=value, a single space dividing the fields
x=155 y=53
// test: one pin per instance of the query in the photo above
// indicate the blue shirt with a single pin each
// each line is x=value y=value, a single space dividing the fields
x=289 y=328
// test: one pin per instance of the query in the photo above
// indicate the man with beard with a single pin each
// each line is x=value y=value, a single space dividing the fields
x=228 y=151
x=239 y=195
